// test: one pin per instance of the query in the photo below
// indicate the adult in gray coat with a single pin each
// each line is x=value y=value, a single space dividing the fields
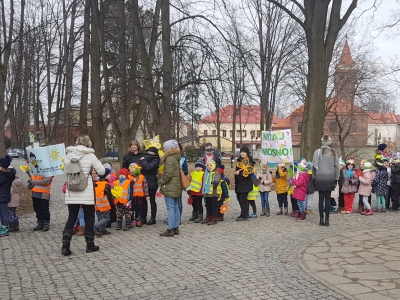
x=326 y=175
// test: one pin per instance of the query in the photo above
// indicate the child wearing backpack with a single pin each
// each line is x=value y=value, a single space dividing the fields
x=225 y=191
x=103 y=196
x=140 y=193
x=195 y=191
x=123 y=200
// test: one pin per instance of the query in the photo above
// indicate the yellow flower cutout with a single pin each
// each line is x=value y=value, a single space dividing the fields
x=223 y=209
x=281 y=146
x=24 y=168
x=117 y=191
x=246 y=167
x=154 y=142
x=135 y=169
x=62 y=167
x=62 y=159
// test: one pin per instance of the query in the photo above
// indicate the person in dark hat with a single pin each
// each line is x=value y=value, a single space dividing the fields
x=210 y=154
x=243 y=181
x=7 y=176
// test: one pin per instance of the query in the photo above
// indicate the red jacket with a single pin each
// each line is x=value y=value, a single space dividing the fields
x=300 y=190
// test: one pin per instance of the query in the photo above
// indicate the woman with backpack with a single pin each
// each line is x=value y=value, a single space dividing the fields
x=82 y=192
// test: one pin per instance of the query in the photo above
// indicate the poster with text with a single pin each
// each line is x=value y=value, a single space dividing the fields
x=46 y=161
x=276 y=146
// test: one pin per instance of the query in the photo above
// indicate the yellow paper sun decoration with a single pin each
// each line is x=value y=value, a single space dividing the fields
x=154 y=142
x=246 y=167
x=117 y=191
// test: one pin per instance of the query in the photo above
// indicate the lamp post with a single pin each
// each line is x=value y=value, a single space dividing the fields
x=252 y=134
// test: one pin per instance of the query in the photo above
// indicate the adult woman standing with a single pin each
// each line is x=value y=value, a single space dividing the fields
x=170 y=185
x=133 y=155
x=243 y=181
x=326 y=176
x=83 y=152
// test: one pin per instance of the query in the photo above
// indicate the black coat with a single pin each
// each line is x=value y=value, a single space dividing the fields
x=243 y=184
x=131 y=158
x=6 y=180
x=395 y=173
x=150 y=170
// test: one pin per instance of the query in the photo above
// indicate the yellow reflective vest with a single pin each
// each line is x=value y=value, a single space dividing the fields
x=196 y=181
x=210 y=190
x=253 y=194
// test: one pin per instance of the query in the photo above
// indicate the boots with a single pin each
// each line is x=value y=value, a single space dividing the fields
x=263 y=212
x=327 y=221
x=302 y=216
x=199 y=218
x=176 y=231
x=280 y=211
x=119 y=224
x=285 y=211
x=360 y=208
x=66 y=242
x=296 y=214
x=152 y=221
x=39 y=226
x=213 y=221
x=194 y=216
x=128 y=225
x=90 y=247
x=46 y=226
x=81 y=231
x=13 y=227
x=321 y=220
x=267 y=212
x=292 y=213
x=208 y=219
x=168 y=233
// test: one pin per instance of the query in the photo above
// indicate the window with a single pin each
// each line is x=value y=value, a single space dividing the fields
x=244 y=133
x=224 y=133
x=230 y=133
x=258 y=134
x=299 y=125
x=333 y=127
x=353 y=127
x=214 y=132
x=205 y=133
x=237 y=133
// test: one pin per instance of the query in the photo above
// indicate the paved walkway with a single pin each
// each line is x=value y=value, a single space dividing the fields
x=263 y=258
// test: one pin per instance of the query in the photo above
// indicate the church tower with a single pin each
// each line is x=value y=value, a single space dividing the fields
x=346 y=76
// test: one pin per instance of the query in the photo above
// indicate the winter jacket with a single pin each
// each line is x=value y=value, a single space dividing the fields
x=215 y=183
x=350 y=185
x=265 y=181
x=300 y=186
x=395 y=174
x=87 y=160
x=6 y=180
x=310 y=185
x=281 y=182
x=15 y=193
x=206 y=155
x=170 y=182
x=327 y=172
x=366 y=184
x=225 y=187
x=243 y=184
x=131 y=158
x=150 y=167
x=380 y=181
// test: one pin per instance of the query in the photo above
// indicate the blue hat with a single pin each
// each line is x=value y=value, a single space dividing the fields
x=5 y=162
x=106 y=173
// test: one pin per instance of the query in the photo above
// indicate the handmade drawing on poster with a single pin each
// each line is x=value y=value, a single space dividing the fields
x=276 y=146
x=46 y=161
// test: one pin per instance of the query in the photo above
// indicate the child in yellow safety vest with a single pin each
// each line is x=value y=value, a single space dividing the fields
x=140 y=193
x=102 y=191
x=123 y=202
x=251 y=197
x=211 y=191
x=195 y=191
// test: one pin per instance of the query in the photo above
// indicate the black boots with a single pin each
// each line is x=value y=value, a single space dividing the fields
x=152 y=221
x=45 y=226
x=327 y=220
x=90 y=247
x=194 y=216
x=66 y=242
x=39 y=226
x=321 y=220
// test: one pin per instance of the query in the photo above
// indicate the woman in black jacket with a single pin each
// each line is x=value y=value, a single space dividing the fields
x=133 y=155
x=150 y=163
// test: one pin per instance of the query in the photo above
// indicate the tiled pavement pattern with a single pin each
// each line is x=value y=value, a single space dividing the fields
x=263 y=258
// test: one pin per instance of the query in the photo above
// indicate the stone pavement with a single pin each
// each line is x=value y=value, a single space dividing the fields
x=263 y=258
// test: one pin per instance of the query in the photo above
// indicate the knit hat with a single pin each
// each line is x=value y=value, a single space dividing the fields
x=171 y=144
x=245 y=149
x=124 y=171
x=326 y=140
x=382 y=147
x=213 y=164
x=5 y=162
x=208 y=144
x=301 y=167
x=222 y=167
x=379 y=162
x=350 y=161
x=108 y=166
x=152 y=149
x=106 y=173
x=200 y=164
x=367 y=167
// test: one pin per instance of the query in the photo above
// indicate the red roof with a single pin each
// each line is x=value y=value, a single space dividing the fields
x=248 y=114
x=346 y=59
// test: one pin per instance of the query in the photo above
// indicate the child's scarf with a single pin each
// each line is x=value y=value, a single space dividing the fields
x=207 y=182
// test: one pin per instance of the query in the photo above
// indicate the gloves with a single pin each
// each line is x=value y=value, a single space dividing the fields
x=128 y=206
x=227 y=199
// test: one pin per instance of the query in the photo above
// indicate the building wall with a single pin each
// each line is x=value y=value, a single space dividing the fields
x=379 y=133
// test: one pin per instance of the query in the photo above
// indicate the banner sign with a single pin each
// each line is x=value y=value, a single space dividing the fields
x=46 y=161
x=276 y=146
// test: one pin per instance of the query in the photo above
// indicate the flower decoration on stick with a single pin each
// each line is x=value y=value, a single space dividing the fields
x=135 y=169
x=223 y=209
x=117 y=191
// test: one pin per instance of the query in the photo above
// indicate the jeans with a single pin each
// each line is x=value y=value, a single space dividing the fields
x=73 y=210
x=324 y=198
x=102 y=220
x=282 y=200
x=41 y=208
x=81 y=218
x=264 y=199
x=180 y=206
x=173 y=212
x=301 y=205
x=4 y=214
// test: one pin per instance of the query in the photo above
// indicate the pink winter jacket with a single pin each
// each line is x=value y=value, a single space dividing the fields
x=366 y=183
x=300 y=190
